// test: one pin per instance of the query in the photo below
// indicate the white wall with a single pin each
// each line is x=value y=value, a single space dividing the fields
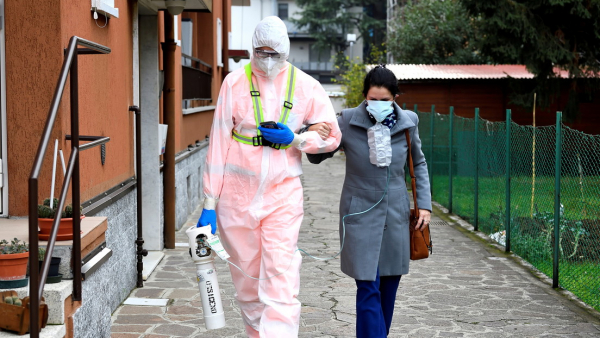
x=293 y=10
x=336 y=96
x=299 y=51
x=149 y=104
x=243 y=21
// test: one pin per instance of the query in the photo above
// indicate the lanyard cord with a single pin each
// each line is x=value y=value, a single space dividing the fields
x=321 y=258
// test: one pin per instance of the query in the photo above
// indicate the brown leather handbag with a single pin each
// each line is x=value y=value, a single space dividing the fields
x=420 y=240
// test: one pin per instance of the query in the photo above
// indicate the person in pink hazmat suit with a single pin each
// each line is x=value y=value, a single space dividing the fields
x=251 y=180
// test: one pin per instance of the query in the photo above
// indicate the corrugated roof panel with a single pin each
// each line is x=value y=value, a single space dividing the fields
x=455 y=72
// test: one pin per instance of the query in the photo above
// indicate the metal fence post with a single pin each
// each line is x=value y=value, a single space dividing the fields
x=416 y=110
x=404 y=106
x=430 y=165
x=476 y=197
x=557 y=165
x=450 y=138
x=507 y=216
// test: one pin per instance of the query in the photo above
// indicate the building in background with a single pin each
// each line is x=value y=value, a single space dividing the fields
x=303 y=55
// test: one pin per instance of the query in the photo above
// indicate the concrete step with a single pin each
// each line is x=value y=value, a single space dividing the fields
x=60 y=309
x=92 y=238
x=55 y=296
x=151 y=262
x=50 y=331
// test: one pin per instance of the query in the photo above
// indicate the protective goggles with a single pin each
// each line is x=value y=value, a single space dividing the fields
x=263 y=54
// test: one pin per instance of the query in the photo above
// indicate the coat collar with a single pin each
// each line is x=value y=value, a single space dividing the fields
x=361 y=119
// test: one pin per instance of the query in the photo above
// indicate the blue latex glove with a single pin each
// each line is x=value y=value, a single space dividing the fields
x=283 y=135
x=208 y=217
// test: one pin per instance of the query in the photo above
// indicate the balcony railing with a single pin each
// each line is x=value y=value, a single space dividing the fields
x=293 y=29
x=322 y=66
x=196 y=78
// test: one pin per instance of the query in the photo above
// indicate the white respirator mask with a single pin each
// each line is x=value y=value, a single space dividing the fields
x=269 y=66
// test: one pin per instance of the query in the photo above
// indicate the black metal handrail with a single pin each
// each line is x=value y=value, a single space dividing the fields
x=37 y=279
x=95 y=141
x=140 y=251
x=208 y=68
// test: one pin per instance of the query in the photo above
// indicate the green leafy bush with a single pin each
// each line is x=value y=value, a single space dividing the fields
x=435 y=32
x=353 y=75
x=352 y=83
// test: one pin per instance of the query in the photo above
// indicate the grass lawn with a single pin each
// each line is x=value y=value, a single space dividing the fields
x=581 y=201
x=492 y=196
x=583 y=280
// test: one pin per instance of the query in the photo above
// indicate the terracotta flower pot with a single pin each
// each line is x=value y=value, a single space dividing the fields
x=65 y=228
x=13 y=266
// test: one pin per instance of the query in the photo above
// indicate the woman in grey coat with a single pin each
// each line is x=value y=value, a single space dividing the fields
x=376 y=244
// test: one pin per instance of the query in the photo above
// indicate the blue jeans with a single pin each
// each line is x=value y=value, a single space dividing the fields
x=375 y=306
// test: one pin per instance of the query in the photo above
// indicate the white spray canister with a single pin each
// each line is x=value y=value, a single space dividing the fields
x=208 y=285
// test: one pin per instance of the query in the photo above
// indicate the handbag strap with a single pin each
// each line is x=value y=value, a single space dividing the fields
x=411 y=169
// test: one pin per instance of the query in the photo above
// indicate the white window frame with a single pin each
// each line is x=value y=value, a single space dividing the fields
x=287 y=10
x=176 y=30
x=187 y=33
x=219 y=42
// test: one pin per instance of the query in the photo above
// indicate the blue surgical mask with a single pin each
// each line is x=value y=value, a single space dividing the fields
x=380 y=109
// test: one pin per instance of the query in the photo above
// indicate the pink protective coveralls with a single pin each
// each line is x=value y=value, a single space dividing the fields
x=260 y=201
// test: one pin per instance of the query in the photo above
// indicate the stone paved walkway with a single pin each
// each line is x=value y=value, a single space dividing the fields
x=467 y=288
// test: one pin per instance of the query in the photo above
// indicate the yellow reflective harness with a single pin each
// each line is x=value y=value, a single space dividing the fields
x=258 y=111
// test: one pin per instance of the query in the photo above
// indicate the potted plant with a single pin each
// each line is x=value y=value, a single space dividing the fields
x=54 y=263
x=46 y=215
x=13 y=260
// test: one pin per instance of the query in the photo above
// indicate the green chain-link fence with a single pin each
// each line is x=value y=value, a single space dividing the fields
x=469 y=159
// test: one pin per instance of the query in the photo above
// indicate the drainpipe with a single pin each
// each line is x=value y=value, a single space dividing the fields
x=168 y=48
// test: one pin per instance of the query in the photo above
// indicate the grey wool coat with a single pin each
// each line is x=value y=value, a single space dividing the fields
x=379 y=237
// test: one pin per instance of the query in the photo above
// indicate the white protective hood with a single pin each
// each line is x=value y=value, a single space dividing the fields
x=270 y=32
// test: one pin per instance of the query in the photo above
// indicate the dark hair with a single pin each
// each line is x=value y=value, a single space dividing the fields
x=380 y=76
